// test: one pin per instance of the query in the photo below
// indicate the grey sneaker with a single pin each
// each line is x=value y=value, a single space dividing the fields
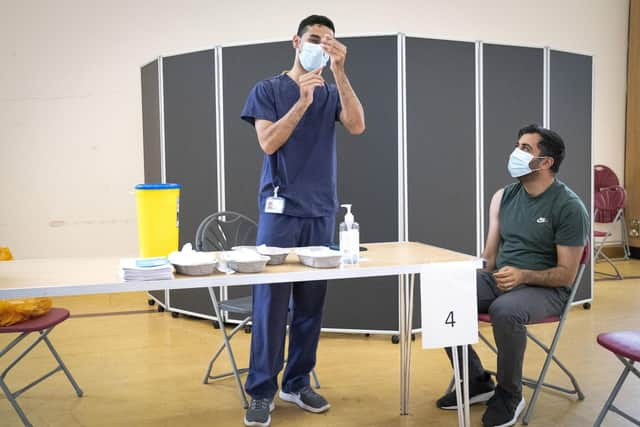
x=259 y=413
x=307 y=399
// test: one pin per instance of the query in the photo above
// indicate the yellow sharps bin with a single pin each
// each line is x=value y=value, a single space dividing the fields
x=158 y=207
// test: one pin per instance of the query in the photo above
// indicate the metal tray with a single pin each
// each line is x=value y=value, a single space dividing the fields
x=274 y=258
x=196 y=270
x=320 y=261
x=248 y=266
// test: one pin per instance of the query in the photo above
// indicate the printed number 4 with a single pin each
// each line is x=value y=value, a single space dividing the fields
x=450 y=320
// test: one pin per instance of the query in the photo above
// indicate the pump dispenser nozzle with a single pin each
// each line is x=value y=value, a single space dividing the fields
x=348 y=217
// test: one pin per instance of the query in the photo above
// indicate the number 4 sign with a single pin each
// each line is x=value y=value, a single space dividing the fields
x=449 y=304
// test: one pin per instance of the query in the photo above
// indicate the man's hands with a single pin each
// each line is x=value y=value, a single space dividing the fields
x=308 y=82
x=336 y=51
x=508 y=278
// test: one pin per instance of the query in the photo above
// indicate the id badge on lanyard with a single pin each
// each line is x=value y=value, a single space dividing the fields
x=274 y=204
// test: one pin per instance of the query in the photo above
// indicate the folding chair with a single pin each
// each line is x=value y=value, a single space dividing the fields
x=538 y=384
x=43 y=325
x=220 y=232
x=603 y=179
x=609 y=206
x=626 y=347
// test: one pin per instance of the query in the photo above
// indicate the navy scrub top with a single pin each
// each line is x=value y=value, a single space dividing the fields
x=305 y=166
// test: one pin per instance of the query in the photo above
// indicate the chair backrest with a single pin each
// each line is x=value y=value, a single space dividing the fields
x=586 y=254
x=223 y=230
x=603 y=177
x=584 y=261
x=608 y=204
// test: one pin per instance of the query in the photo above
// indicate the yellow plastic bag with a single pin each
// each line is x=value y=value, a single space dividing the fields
x=14 y=311
x=5 y=254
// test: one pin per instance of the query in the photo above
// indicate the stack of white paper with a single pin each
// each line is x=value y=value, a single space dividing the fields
x=130 y=272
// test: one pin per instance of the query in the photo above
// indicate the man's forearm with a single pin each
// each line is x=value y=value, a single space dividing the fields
x=277 y=134
x=555 y=277
x=352 y=111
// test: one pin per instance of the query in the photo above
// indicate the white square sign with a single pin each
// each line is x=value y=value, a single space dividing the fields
x=449 y=305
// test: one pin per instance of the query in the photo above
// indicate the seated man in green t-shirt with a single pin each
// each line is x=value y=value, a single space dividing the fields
x=537 y=231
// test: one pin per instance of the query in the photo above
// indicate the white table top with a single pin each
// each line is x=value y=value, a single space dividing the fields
x=77 y=276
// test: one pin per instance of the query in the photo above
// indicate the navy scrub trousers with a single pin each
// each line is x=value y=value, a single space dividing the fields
x=270 y=310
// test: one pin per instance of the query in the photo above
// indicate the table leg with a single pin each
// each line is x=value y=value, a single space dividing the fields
x=405 y=314
x=465 y=384
x=456 y=376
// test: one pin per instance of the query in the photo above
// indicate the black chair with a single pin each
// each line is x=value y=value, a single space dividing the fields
x=221 y=232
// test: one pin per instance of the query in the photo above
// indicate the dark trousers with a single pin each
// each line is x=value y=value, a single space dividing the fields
x=271 y=303
x=510 y=312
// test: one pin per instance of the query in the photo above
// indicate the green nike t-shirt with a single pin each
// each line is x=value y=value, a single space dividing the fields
x=531 y=227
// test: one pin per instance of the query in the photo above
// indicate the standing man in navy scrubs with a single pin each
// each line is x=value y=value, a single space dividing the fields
x=295 y=115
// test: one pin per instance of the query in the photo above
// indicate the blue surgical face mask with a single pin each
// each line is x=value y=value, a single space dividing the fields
x=312 y=56
x=519 y=163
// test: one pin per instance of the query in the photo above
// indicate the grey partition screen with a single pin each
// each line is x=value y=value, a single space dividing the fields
x=190 y=136
x=513 y=98
x=570 y=115
x=190 y=147
x=368 y=179
x=151 y=122
x=463 y=103
x=441 y=145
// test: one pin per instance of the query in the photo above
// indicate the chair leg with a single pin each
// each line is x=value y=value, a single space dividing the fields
x=576 y=387
x=612 y=396
x=227 y=344
x=488 y=343
x=617 y=275
x=12 y=396
x=207 y=375
x=64 y=368
x=14 y=403
x=547 y=362
x=600 y=254
x=451 y=385
x=315 y=378
x=625 y=239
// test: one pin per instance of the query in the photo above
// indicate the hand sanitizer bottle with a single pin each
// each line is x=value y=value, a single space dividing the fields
x=349 y=238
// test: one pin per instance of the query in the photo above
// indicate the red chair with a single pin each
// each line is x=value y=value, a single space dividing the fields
x=538 y=384
x=604 y=179
x=610 y=201
x=626 y=347
x=43 y=325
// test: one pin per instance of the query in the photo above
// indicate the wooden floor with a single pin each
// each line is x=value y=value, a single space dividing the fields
x=139 y=367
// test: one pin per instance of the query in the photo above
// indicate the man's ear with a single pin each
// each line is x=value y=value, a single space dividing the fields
x=296 y=41
x=548 y=162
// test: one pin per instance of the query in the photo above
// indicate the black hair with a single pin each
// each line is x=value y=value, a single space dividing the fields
x=314 y=20
x=551 y=144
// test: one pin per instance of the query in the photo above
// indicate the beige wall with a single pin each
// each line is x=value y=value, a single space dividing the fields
x=70 y=115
